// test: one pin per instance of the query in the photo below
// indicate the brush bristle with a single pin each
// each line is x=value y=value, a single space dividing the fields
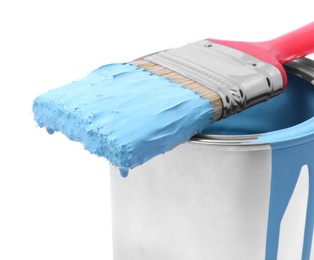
x=204 y=91
x=124 y=113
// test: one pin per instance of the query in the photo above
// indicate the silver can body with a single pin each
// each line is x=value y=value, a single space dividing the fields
x=205 y=199
x=200 y=202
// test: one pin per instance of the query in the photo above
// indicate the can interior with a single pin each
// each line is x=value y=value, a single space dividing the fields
x=294 y=106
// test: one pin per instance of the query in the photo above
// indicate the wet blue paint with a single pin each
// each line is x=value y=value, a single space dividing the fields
x=124 y=113
x=287 y=124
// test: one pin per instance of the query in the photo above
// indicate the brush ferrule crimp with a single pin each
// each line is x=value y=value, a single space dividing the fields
x=238 y=78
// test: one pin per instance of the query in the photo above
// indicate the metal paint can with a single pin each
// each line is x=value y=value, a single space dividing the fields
x=210 y=199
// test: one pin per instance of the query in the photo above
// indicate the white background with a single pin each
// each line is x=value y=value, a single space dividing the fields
x=54 y=195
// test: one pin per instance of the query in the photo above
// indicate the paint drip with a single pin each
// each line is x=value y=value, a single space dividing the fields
x=124 y=113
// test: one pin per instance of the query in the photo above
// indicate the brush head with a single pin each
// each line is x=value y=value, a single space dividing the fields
x=124 y=113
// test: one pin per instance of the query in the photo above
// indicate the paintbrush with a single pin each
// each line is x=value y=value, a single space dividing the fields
x=131 y=112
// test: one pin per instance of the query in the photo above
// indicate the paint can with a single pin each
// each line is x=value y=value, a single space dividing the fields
x=244 y=195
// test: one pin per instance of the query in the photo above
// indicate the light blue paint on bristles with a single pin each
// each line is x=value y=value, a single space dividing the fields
x=124 y=113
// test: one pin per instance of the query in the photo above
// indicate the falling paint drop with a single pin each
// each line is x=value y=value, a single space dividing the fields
x=50 y=130
x=124 y=172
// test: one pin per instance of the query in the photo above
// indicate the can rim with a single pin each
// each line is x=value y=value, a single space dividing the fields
x=302 y=133
x=234 y=140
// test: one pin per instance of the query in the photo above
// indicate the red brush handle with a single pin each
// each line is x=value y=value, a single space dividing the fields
x=293 y=45
x=278 y=51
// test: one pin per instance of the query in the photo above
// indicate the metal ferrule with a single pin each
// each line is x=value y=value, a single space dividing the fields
x=239 y=79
